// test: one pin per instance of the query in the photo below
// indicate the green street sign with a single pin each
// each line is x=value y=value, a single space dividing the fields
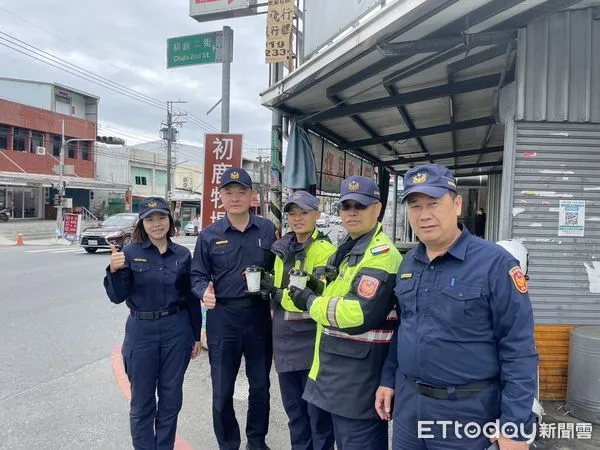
x=196 y=49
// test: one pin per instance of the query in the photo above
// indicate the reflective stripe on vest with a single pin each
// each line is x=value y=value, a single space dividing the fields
x=375 y=336
x=296 y=316
x=331 y=309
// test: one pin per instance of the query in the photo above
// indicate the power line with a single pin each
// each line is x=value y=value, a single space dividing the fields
x=39 y=57
x=97 y=79
x=131 y=134
x=52 y=60
x=60 y=38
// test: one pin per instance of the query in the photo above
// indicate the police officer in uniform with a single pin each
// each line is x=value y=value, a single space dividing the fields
x=307 y=249
x=464 y=351
x=152 y=275
x=356 y=317
x=237 y=323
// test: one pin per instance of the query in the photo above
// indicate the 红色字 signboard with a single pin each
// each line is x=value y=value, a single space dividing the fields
x=221 y=152
x=72 y=226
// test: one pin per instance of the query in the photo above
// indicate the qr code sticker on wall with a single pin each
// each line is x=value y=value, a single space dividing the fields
x=571 y=218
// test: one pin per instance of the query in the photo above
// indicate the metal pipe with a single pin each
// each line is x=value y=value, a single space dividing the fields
x=226 y=78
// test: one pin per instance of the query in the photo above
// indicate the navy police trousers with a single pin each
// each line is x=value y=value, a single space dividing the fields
x=416 y=424
x=352 y=434
x=311 y=428
x=231 y=332
x=156 y=354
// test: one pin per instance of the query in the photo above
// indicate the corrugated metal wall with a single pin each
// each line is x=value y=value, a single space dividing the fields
x=494 y=193
x=558 y=77
x=557 y=161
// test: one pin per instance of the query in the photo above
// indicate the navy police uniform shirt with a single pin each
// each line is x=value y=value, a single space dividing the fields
x=466 y=317
x=150 y=281
x=223 y=253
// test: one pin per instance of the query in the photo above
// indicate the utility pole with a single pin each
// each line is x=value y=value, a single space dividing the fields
x=276 y=74
x=169 y=134
x=61 y=183
x=169 y=148
x=226 y=77
x=263 y=205
x=61 y=189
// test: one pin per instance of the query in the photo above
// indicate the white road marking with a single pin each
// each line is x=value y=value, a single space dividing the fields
x=54 y=250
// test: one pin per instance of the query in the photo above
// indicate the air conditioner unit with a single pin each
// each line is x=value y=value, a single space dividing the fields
x=40 y=150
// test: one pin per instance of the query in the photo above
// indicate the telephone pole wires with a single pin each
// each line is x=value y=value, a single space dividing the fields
x=170 y=135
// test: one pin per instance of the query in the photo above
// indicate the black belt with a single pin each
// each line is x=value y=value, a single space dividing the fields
x=155 y=315
x=241 y=302
x=449 y=393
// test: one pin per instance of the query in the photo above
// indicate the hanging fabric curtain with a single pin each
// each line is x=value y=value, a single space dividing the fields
x=300 y=169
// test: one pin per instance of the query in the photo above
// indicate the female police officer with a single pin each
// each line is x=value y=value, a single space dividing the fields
x=163 y=328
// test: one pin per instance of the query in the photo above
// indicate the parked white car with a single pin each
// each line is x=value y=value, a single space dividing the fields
x=323 y=221
x=336 y=220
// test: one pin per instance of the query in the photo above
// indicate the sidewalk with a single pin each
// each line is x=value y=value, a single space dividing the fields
x=31 y=229
x=5 y=242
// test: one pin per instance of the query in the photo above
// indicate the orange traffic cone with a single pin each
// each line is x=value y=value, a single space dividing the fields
x=20 y=239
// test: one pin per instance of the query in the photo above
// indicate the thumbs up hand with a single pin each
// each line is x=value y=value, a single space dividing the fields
x=117 y=259
x=209 y=298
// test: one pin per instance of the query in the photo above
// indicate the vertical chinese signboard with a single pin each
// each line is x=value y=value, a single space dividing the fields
x=333 y=165
x=333 y=168
x=367 y=170
x=72 y=227
x=280 y=17
x=221 y=151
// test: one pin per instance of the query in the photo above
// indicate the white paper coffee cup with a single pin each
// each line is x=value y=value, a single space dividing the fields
x=298 y=278
x=253 y=279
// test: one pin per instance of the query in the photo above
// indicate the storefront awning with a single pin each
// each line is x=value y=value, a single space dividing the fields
x=421 y=81
x=41 y=180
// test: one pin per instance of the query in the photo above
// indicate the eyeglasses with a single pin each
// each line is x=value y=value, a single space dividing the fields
x=347 y=206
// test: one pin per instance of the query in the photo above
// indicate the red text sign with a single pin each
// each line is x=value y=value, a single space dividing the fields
x=221 y=152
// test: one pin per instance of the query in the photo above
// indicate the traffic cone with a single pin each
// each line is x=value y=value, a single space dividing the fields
x=20 y=239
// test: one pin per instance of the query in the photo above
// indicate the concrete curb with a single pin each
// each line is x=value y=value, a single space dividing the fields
x=4 y=242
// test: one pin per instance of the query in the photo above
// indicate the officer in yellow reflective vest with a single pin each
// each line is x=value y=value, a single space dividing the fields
x=356 y=319
x=294 y=332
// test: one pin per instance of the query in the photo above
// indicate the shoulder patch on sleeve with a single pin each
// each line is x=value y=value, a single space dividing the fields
x=380 y=249
x=367 y=287
x=518 y=278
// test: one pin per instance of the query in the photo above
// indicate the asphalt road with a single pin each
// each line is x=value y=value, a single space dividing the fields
x=58 y=388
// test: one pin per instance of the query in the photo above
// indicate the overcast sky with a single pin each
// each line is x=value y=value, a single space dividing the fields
x=125 y=41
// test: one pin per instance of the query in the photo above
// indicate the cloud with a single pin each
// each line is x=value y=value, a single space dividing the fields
x=125 y=42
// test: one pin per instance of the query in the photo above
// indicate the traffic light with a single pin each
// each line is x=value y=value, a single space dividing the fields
x=110 y=140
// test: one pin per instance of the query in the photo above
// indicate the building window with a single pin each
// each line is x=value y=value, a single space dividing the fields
x=37 y=140
x=71 y=148
x=84 y=150
x=20 y=138
x=56 y=143
x=160 y=179
x=140 y=181
x=4 y=136
x=63 y=104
